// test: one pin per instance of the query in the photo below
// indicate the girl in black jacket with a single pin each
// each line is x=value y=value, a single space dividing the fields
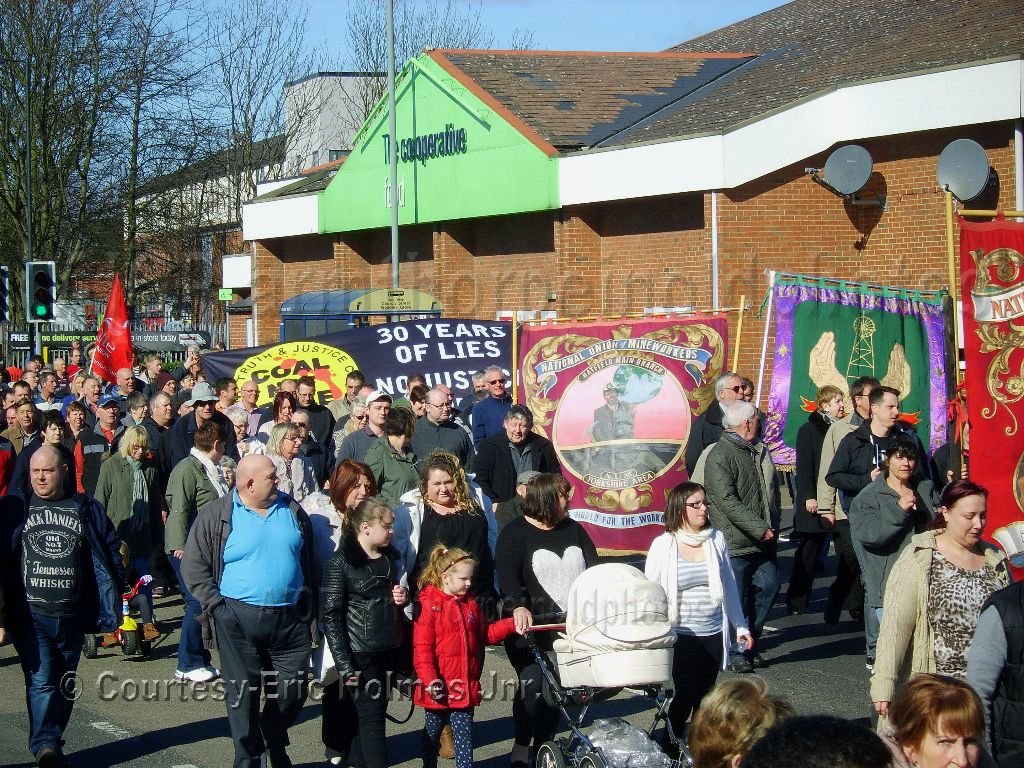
x=362 y=625
x=807 y=525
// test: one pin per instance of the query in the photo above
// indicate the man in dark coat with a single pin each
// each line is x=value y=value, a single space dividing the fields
x=183 y=434
x=321 y=422
x=72 y=540
x=435 y=430
x=501 y=457
x=859 y=459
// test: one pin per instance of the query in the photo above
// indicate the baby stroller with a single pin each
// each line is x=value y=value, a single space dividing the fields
x=616 y=636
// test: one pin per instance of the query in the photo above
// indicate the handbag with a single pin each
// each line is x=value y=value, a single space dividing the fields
x=324 y=668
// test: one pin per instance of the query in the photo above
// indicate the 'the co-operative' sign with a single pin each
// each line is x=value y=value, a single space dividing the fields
x=450 y=141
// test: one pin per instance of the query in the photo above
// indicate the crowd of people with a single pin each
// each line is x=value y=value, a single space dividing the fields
x=375 y=542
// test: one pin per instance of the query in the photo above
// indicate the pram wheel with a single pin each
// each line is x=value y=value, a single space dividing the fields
x=90 y=649
x=549 y=755
x=592 y=760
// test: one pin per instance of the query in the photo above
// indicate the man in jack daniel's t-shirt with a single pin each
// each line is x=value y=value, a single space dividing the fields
x=62 y=577
x=52 y=550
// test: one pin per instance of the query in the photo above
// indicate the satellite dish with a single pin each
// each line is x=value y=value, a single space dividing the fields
x=963 y=169
x=848 y=169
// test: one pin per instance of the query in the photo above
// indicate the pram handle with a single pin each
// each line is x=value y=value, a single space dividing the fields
x=547 y=628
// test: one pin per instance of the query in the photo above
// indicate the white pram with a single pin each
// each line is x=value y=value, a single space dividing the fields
x=617 y=631
x=616 y=635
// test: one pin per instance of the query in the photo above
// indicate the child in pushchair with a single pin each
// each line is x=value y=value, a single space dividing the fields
x=616 y=636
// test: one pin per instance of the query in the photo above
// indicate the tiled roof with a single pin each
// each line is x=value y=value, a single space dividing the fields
x=810 y=46
x=574 y=100
x=262 y=153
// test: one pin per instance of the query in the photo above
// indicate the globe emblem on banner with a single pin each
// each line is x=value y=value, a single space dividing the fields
x=636 y=385
x=621 y=426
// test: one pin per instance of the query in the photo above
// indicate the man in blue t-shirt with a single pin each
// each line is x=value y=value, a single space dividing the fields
x=250 y=561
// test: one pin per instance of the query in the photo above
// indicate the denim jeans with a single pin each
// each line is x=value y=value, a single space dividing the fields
x=191 y=653
x=757 y=579
x=49 y=649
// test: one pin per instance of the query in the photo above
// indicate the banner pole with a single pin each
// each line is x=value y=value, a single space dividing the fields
x=764 y=338
x=515 y=356
x=739 y=333
x=990 y=214
x=952 y=284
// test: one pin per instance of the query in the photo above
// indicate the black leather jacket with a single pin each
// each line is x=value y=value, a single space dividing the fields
x=360 y=615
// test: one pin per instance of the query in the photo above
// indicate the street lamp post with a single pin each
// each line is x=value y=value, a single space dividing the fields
x=393 y=144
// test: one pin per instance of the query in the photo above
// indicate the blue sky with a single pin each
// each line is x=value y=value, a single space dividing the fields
x=585 y=25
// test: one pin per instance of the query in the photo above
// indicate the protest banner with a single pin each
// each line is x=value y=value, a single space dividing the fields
x=617 y=399
x=831 y=332
x=445 y=351
x=991 y=258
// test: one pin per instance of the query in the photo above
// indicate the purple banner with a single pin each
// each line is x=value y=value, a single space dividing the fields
x=833 y=334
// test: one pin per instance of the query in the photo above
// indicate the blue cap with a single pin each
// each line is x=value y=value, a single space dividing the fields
x=106 y=400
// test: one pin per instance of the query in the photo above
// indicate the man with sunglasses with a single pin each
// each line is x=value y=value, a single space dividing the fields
x=489 y=413
x=708 y=427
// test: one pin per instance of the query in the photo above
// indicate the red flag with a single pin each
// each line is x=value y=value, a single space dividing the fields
x=114 y=341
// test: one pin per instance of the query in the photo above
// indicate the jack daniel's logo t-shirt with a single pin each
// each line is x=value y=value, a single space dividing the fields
x=52 y=545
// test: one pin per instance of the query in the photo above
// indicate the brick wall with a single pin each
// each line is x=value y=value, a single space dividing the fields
x=236 y=330
x=788 y=223
x=617 y=258
x=283 y=268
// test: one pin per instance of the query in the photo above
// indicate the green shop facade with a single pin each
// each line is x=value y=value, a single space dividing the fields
x=477 y=197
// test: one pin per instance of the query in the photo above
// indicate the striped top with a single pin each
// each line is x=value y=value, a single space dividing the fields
x=698 y=615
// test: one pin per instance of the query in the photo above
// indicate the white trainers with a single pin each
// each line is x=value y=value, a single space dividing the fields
x=200 y=675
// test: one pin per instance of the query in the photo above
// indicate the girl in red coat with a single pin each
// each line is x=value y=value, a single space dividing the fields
x=448 y=640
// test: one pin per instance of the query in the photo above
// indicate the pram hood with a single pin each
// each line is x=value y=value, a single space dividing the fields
x=616 y=605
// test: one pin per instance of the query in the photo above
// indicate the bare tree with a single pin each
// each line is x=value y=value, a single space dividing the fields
x=161 y=132
x=68 y=53
x=235 y=126
x=256 y=47
x=419 y=24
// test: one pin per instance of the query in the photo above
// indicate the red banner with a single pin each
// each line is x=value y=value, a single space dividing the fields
x=114 y=341
x=617 y=399
x=992 y=282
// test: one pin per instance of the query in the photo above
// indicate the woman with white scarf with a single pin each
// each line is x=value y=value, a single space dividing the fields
x=295 y=474
x=691 y=561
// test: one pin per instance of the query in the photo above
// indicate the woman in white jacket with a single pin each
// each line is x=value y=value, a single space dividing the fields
x=691 y=561
x=412 y=509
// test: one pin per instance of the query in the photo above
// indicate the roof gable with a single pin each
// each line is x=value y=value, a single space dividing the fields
x=454 y=143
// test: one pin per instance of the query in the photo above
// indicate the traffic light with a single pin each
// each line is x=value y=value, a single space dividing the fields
x=40 y=291
x=5 y=295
